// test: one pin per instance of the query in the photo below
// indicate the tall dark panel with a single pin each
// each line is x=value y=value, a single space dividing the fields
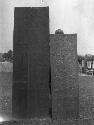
x=31 y=62
x=39 y=63
x=64 y=70
x=20 y=64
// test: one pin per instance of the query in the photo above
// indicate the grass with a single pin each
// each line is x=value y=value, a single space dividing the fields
x=5 y=93
x=86 y=99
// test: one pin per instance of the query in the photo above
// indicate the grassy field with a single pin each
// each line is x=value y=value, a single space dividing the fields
x=5 y=93
x=86 y=97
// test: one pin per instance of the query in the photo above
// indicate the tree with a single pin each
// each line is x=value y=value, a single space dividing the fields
x=8 y=56
x=89 y=57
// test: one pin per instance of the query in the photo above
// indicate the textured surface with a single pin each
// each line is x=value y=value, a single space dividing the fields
x=5 y=94
x=31 y=62
x=65 y=98
x=6 y=67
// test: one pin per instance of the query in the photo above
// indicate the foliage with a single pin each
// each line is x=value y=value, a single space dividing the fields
x=8 y=56
x=89 y=57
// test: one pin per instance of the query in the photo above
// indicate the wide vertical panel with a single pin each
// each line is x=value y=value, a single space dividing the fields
x=65 y=98
x=31 y=62
x=39 y=63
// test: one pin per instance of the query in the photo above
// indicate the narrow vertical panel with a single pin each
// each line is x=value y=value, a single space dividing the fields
x=39 y=63
x=64 y=70
x=20 y=64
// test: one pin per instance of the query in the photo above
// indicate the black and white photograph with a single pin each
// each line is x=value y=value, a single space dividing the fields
x=46 y=62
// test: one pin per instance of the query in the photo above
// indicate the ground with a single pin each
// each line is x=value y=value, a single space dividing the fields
x=5 y=94
x=86 y=100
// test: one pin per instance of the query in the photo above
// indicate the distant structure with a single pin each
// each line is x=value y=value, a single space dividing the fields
x=86 y=64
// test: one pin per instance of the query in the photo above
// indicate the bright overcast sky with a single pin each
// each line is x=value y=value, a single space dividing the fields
x=72 y=16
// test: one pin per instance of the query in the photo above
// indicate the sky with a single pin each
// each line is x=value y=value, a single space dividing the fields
x=72 y=16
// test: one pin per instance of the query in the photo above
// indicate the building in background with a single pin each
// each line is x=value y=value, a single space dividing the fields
x=86 y=64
